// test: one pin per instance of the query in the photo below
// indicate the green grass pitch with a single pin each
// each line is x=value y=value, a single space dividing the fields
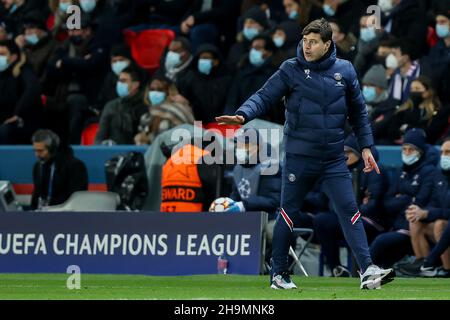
x=229 y=287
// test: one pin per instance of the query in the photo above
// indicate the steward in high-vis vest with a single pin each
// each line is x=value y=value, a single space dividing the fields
x=188 y=185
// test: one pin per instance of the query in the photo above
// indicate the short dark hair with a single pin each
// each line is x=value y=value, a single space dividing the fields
x=268 y=42
x=185 y=43
x=134 y=72
x=49 y=138
x=320 y=26
x=11 y=45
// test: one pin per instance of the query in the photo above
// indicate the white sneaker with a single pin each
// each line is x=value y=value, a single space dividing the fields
x=282 y=282
x=375 y=277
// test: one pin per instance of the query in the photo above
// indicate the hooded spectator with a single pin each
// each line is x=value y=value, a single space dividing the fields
x=286 y=37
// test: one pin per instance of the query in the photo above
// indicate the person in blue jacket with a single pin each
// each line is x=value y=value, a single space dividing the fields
x=427 y=224
x=412 y=187
x=371 y=188
x=321 y=92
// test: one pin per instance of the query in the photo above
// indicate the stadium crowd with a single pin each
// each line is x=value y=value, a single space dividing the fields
x=65 y=80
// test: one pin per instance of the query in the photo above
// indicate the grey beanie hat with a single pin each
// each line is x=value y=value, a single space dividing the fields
x=376 y=76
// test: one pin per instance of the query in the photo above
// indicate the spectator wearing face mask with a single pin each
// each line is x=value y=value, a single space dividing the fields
x=120 y=118
x=368 y=43
x=406 y=70
x=255 y=70
x=412 y=186
x=379 y=106
x=20 y=102
x=422 y=110
x=345 y=42
x=301 y=12
x=75 y=74
x=58 y=18
x=437 y=62
x=406 y=20
x=163 y=112
x=37 y=43
x=13 y=12
x=344 y=13
x=178 y=62
x=254 y=22
x=286 y=37
x=210 y=82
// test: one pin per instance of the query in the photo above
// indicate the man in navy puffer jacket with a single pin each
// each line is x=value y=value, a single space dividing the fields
x=321 y=92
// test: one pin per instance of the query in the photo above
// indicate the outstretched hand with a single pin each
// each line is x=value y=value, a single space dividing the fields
x=230 y=120
x=369 y=161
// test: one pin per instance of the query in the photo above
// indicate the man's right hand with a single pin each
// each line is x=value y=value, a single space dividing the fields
x=230 y=120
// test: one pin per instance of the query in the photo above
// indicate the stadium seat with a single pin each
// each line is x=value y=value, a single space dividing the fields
x=432 y=38
x=88 y=134
x=297 y=232
x=148 y=46
x=88 y=201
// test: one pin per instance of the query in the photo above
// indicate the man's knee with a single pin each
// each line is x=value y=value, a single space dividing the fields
x=439 y=227
x=416 y=228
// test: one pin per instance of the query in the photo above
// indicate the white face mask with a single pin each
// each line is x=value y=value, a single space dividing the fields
x=410 y=159
x=391 y=61
x=385 y=5
x=445 y=163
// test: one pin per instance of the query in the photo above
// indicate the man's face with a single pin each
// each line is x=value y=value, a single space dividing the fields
x=11 y=58
x=7 y=3
x=314 y=48
x=401 y=58
x=177 y=47
x=445 y=149
x=41 y=151
x=133 y=86
x=259 y=45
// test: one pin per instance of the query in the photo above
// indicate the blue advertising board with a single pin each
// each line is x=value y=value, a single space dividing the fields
x=161 y=244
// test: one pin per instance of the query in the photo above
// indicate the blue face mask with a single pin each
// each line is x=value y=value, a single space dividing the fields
x=369 y=93
x=119 y=66
x=411 y=159
x=3 y=63
x=279 y=41
x=367 y=34
x=32 y=39
x=256 y=57
x=442 y=30
x=122 y=89
x=205 y=66
x=329 y=11
x=13 y=8
x=293 y=15
x=156 y=97
x=445 y=163
x=250 y=33
x=88 y=5
x=173 y=60
x=63 y=6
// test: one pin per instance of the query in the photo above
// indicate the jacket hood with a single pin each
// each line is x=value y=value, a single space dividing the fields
x=324 y=63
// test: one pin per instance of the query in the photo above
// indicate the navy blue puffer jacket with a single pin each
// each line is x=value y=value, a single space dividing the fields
x=320 y=96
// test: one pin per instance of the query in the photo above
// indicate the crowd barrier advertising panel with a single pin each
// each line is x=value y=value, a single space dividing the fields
x=131 y=243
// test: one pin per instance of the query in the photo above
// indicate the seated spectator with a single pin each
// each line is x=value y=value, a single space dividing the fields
x=206 y=20
x=57 y=174
x=369 y=195
x=254 y=23
x=405 y=72
x=178 y=63
x=120 y=60
x=254 y=71
x=75 y=75
x=412 y=186
x=209 y=84
x=422 y=110
x=344 y=13
x=286 y=38
x=404 y=19
x=120 y=118
x=437 y=62
x=37 y=44
x=366 y=49
x=427 y=223
x=14 y=11
x=20 y=101
x=379 y=106
x=56 y=22
x=345 y=42
x=164 y=112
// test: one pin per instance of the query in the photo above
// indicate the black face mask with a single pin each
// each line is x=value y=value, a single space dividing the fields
x=416 y=98
x=76 y=40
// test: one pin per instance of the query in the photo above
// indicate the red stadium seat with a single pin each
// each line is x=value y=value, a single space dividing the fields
x=432 y=38
x=88 y=134
x=148 y=46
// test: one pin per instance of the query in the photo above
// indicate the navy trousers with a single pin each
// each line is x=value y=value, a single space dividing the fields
x=390 y=247
x=300 y=174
